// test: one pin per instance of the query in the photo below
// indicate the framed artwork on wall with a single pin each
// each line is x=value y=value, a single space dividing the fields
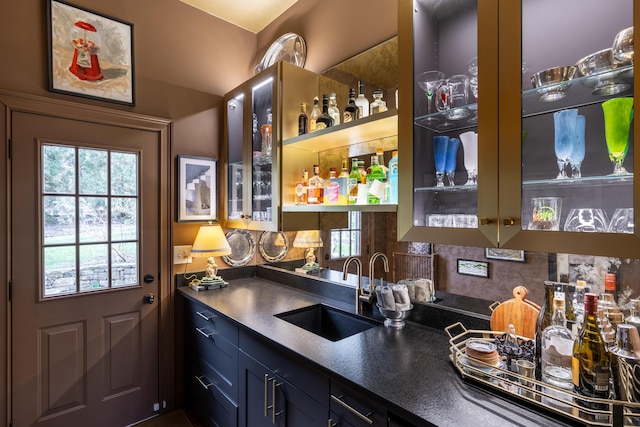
x=473 y=268
x=90 y=55
x=197 y=189
x=504 y=254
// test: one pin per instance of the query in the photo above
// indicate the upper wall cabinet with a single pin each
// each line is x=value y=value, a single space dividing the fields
x=259 y=114
x=522 y=141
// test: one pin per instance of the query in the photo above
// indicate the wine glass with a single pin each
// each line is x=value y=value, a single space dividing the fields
x=618 y=113
x=429 y=81
x=470 y=145
x=451 y=159
x=578 y=149
x=564 y=136
x=440 y=145
x=473 y=85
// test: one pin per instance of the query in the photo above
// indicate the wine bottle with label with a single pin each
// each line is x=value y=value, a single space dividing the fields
x=325 y=120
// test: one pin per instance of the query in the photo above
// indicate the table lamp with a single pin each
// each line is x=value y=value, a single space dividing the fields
x=309 y=239
x=210 y=242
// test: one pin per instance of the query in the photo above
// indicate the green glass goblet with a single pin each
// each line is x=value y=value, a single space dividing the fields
x=618 y=113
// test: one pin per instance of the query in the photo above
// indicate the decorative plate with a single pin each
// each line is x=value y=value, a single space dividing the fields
x=243 y=247
x=273 y=245
x=290 y=47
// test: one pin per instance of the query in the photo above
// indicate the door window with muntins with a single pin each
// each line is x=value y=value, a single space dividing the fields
x=90 y=228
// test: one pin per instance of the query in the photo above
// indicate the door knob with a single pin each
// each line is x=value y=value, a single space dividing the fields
x=148 y=278
x=149 y=298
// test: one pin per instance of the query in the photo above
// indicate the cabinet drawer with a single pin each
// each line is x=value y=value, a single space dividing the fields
x=350 y=408
x=206 y=400
x=202 y=317
x=295 y=372
x=217 y=358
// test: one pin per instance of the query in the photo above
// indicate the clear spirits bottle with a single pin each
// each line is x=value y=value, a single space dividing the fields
x=324 y=120
x=303 y=120
x=315 y=113
x=351 y=111
x=557 y=349
x=362 y=171
x=331 y=188
x=301 y=189
x=267 y=136
x=362 y=102
x=542 y=322
x=377 y=105
x=375 y=182
x=393 y=178
x=333 y=110
x=591 y=363
x=354 y=180
x=315 y=191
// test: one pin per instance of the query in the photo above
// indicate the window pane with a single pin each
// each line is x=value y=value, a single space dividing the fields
x=60 y=275
x=94 y=270
x=335 y=244
x=124 y=174
x=92 y=167
x=124 y=264
x=355 y=242
x=59 y=220
x=93 y=219
x=58 y=169
x=124 y=218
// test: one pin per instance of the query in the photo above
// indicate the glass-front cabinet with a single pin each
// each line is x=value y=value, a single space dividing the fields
x=517 y=130
x=258 y=115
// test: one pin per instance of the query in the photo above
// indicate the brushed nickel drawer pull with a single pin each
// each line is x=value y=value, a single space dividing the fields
x=204 y=386
x=274 y=414
x=266 y=395
x=330 y=423
x=206 y=315
x=205 y=333
x=355 y=412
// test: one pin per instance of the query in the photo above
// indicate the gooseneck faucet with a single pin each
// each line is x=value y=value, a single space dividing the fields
x=345 y=268
x=372 y=262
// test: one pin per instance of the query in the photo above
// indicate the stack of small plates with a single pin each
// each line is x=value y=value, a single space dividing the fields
x=482 y=353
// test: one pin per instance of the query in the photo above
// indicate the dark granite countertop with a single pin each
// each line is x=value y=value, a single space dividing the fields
x=408 y=368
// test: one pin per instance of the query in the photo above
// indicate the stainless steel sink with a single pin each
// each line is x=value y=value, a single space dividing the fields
x=328 y=322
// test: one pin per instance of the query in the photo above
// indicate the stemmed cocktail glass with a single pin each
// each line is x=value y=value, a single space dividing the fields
x=470 y=145
x=564 y=136
x=618 y=113
x=578 y=150
x=429 y=81
x=440 y=145
x=451 y=159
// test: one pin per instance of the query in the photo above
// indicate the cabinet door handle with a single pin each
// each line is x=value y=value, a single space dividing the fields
x=202 y=383
x=508 y=222
x=274 y=414
x=206 y=315
x=354 y=411
x=266 y=395
x=330 y=423
x=205 y=333
x=486 y=221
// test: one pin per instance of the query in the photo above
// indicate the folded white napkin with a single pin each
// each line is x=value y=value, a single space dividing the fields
x=386 y=298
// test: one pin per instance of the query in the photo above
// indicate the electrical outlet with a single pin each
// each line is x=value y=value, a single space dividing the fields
x=182 y=254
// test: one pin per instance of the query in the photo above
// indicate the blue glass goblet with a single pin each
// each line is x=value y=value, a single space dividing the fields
x=440 y=144
x=564 y=136
x=578 y=150
x=452 y=153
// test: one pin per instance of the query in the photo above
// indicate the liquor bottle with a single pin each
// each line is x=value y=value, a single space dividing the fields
x=542 y=322
x=351 y=111
x=315 y=113
x=569 y=312
x=362 y=102
x=380 y=155
x=267 y=135
x=354 y=180
x=303 y=120
x=344 y=173
x=591 y=363
x=331 y=188
x=578 y=304
x=362 y=171
x=377 y=105
x=610 y=285
x=375 y=182
x=301 y=189
x=315 y=191
x=557 y=349
x=333 y=109
x=393 y=178
x=324 y=120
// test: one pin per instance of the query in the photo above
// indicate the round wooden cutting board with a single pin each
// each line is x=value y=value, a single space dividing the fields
x=519 y=312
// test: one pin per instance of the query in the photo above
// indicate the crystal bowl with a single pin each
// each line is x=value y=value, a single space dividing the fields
x=395 y=319
x=602 y=74
x=552 y=82
x=622 y=48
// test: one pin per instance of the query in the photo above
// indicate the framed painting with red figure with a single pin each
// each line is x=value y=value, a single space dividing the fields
x=90 y=54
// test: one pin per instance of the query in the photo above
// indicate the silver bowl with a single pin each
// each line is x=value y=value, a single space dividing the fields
x=395 y=319
x=622 y=48
x=601 y=71
x=552 y=82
